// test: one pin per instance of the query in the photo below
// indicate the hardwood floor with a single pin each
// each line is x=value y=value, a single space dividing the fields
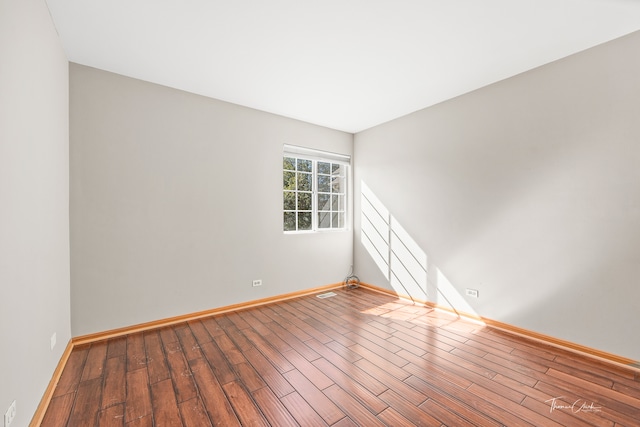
x=358 y=358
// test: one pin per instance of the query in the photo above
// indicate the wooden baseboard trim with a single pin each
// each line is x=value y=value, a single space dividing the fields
x=38 y=416
x=100 y=336
x=546 y=339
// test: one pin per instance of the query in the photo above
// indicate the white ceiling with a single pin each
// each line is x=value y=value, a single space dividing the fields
x=344 y=64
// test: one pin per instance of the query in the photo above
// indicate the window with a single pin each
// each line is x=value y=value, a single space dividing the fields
x=314 y=189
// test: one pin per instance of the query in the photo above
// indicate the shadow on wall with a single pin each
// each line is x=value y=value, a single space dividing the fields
x=404 y=264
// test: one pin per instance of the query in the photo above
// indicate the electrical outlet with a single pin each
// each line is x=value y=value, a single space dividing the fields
x=472 y=293
x=10 y=414
x=257 y=283
x=53 y=340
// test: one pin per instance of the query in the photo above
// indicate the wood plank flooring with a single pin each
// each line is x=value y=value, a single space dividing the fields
x=358 y=358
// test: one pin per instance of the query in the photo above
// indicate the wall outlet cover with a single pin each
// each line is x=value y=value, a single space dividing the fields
x=10 y=414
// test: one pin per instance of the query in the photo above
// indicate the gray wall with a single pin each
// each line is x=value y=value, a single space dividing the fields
x=34 y=204
x=527 y=190
x=176 y=204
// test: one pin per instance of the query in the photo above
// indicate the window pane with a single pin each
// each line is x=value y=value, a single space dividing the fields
x=336 y=169
x=337 y=184
x=304 y=201
x=289 y=201
x=304 y=165
x=304 y=220
x=289 y=221
x=288 y=180
x=323 y=202
x=334 y=203
x=323 y=183
x=324 y=167
x=338 y=220
x=289 y=163
x=304 y=182
x=324 y=220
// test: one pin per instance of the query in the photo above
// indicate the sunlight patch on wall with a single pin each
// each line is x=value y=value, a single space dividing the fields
x=375 y=229
x=401 y=260
x=393 y=250
x=408 y=263
x=449 y=297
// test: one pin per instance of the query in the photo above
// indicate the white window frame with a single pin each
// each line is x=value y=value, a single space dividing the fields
x=316 y=156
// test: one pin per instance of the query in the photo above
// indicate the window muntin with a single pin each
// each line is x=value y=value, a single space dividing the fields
x=314 y=194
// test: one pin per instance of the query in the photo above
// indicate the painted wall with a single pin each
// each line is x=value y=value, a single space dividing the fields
x=176 y=204
x=34 y=204
x=527 y=190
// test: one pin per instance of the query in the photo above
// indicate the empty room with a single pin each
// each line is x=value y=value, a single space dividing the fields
x=296 y=213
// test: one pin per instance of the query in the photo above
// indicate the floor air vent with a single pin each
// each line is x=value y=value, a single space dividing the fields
x=327 y=295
